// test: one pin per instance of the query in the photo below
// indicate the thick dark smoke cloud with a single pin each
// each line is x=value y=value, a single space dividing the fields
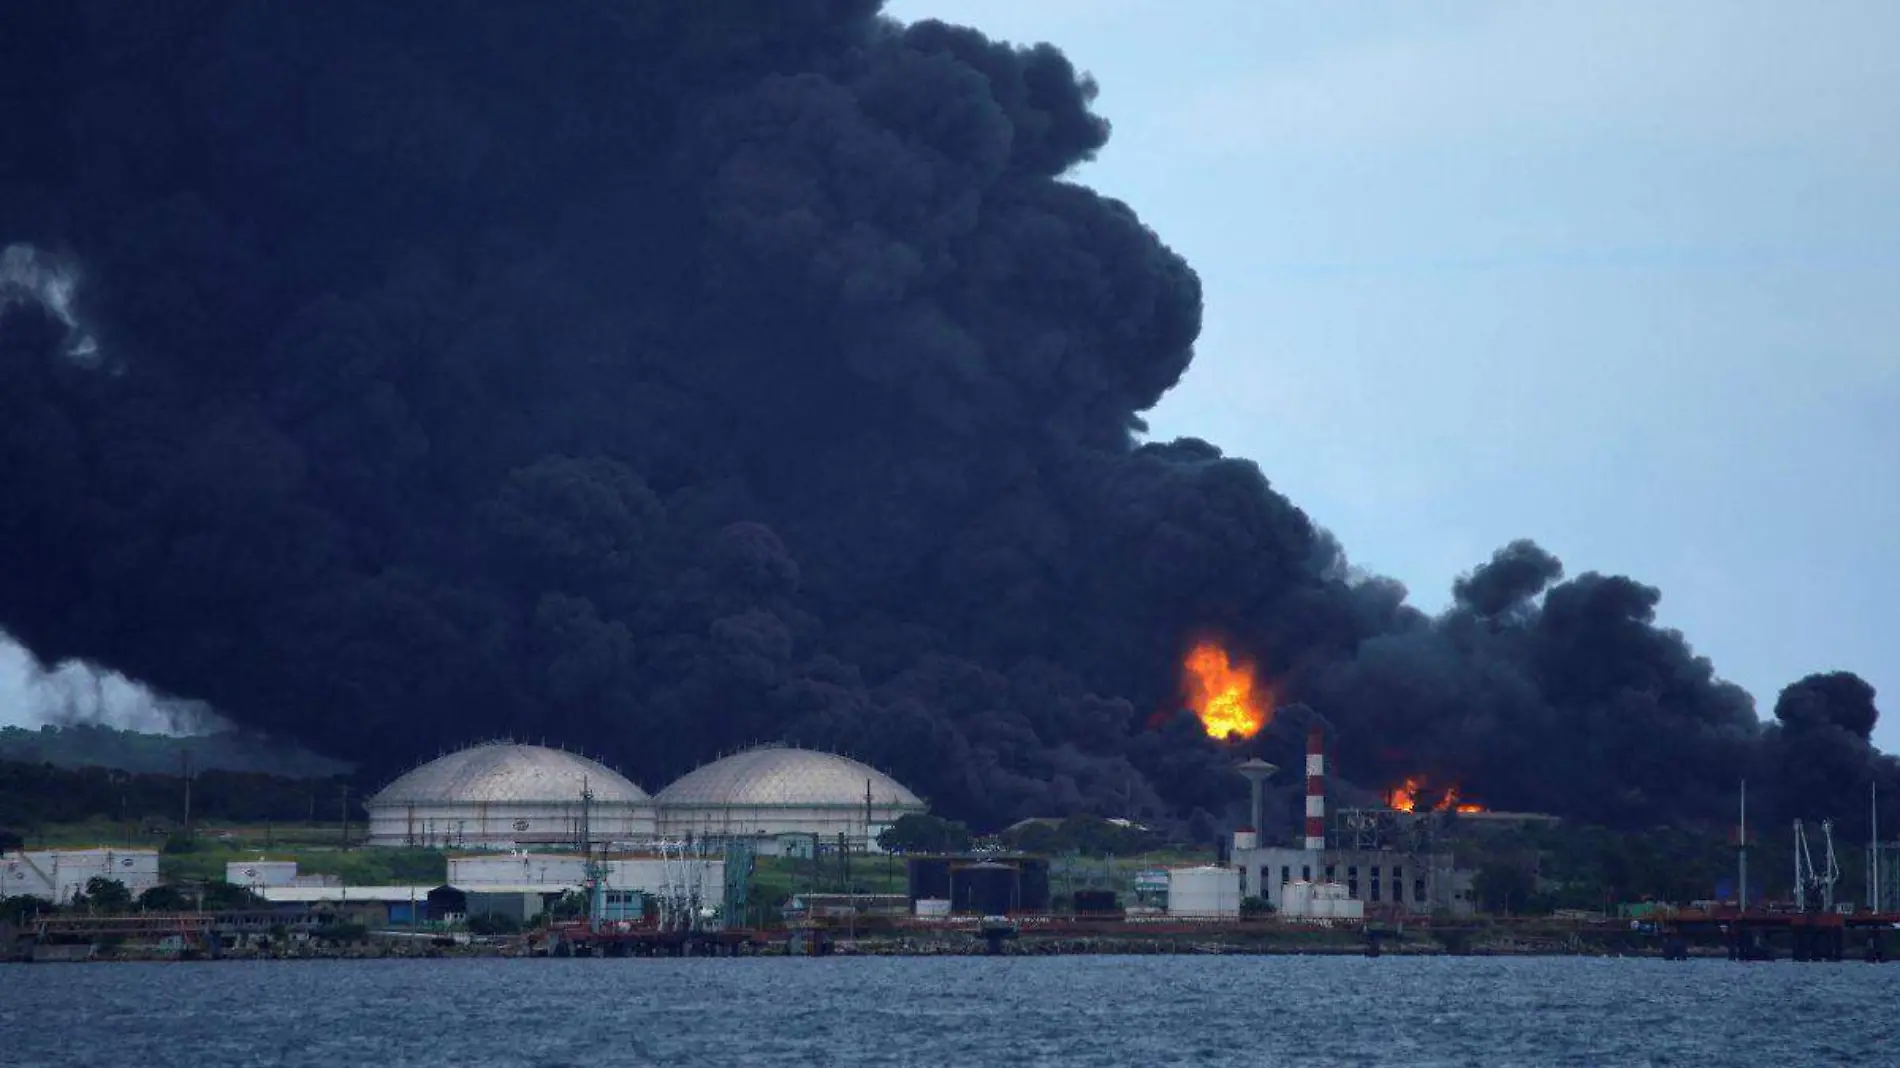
x=666 y=377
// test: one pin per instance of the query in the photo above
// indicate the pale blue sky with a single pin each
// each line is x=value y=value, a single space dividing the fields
x=1620 y=277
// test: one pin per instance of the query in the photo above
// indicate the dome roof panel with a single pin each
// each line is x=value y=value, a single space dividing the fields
x=781 y=775
x=499 y=772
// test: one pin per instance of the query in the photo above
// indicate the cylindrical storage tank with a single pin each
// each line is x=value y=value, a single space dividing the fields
x=936 y=907
x=1296 y=898
x=929 y=878
x=1032 y=885
x=986 y=889
x=1204 y=893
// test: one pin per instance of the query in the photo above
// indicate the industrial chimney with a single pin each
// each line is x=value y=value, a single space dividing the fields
x=1315 y=789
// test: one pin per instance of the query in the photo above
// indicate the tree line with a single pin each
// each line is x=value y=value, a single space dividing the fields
x=33 y=795
x=85 y=744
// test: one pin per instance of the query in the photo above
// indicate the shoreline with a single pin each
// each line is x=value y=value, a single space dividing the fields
x=1120 y=946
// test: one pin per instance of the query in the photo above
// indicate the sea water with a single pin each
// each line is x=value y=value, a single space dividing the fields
x=1348 y=1011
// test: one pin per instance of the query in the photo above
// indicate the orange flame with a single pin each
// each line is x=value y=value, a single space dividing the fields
x=1222 y=693
x=1404 y=798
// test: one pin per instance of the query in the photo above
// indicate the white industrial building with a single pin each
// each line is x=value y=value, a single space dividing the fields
x=773 y=792
x=57 y=875
x=500 y=795
x=1382 y=880
x=535 y=871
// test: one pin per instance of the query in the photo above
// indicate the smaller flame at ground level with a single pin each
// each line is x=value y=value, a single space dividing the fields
x=1404 y=798
x=1222 y=693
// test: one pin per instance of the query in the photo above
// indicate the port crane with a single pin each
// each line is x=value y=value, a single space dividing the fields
x=1813 y=887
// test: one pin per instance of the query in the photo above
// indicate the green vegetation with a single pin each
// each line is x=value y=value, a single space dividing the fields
x=1542 y=868
x=164 y=898
x=105 y=895
x=39 y=802
x=88 y=745
x=919 y=833
x=356 y=867
x=1089 y=836
x=492 y=923
x=340 y=932
x=20 y=908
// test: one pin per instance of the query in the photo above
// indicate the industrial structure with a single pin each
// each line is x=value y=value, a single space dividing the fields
x=771 y=793
x=59 y=875
x=979 y=884
x=504 y=796
x=501 y=794
x=1204 y=893
x=1388 y=862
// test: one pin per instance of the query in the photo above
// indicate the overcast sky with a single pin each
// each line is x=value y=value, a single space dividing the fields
x=1620 y=277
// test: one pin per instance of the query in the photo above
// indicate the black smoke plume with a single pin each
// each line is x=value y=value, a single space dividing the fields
x=665 y=377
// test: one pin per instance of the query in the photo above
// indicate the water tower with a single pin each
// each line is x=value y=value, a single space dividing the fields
x=1257 y=772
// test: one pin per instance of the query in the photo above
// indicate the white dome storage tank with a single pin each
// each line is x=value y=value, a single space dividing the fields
x=1206 y=893
x=772 y=791
x=501 y=794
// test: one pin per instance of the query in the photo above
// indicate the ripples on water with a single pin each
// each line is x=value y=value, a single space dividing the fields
x=949 y=1011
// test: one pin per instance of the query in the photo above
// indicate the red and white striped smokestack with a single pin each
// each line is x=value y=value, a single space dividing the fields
x=1315 y=789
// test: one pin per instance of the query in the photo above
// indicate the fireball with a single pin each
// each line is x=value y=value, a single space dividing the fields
x=1223 y=693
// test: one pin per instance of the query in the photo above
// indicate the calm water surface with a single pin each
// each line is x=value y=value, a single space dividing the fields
x=956 y=1011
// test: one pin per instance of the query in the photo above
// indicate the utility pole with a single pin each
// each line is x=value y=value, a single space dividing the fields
x=1741 y=851
x=1874 y=873
x=1802 y=865
x=344 y=812
x=185 y=768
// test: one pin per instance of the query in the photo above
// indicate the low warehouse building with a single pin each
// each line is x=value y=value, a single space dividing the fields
x=517 y=904
x=529 y=871
x=500 y=795
x=371 y=905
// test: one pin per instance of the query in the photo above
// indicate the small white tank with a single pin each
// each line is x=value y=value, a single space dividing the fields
x=1204 y=893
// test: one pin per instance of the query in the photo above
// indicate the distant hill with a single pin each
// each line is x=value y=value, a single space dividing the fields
x=86 y=745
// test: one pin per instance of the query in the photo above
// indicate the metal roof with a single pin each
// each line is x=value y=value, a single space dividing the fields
x=342 y=895
x=776 y=775
x=379 y=895
x=503 y=772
